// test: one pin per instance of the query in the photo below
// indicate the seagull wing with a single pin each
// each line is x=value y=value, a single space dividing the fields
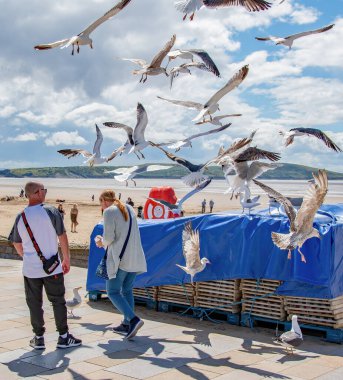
x=208 y=132
x=230 y=85
x=188 y=104
x=117 y=152
x=258 y=168
x=307 y=33
x=98 y=142
x=198 y=188
x=125 y=170
x=126 y=128
x=289 y=209
x=52 y=45
x=142 y=122
x=313 y=199
x=253 y=153
x=188 y=6
x=162 y=202
x=157 y=60
x=291 y=338
x=137 y=61
x=204 y=56
x=250 y=5
x=320 y=135
x=75 y=152
x=112 y=12
x=191 y=246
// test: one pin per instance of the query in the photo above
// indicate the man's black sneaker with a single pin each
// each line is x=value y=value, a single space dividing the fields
x=37 y=343
x=121 y=329
x=68 y=341
x=135 y=325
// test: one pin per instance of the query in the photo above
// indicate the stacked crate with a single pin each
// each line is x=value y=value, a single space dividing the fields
x=177 y=294
x=218 y=295
x=148 y=293
x=257 y=302
x=315 y=311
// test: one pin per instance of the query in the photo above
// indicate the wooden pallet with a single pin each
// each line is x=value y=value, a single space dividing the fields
x=146 y=293
x=316 y=311
x=177 y=294
x=218 y=295
x=257 y=301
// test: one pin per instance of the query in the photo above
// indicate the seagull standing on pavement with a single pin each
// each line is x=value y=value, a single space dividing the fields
x=94 y=158
x=126 y=174
x=211 y=106
x=289 y=137
x=154 y=68
x=83 y=37
x=191 y=252
x=288 y=41
x=301 y=223
x=293 y=338
x=135 y=136
x=75 y=301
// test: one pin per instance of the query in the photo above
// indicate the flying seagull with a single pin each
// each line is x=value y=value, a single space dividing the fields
x=199 y=53
x=216 y=119
x=94 y=158
x=185 y=68
x=83 y=37
x=135 y=136
x=211 y=106
x=126 y=174
x=178 y=144
x=301 y=223
x=177 y=207
x=191 y=251
x=289 y=137
x=75 y=301
x=288 y=41
x=292 y=338
x=191 y=6
x=154 y=68
x=195 y=177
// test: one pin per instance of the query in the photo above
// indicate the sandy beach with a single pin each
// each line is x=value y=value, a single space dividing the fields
x=80 y=191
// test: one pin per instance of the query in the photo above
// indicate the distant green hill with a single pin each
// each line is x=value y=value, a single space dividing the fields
x=286 y=171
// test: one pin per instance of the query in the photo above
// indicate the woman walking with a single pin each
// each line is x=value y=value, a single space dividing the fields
x=73 y=218
x=120 y=227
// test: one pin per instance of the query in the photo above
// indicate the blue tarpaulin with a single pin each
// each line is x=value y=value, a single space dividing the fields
x=240 y=246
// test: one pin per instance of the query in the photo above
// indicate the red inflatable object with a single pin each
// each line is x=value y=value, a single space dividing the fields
x=154 y=210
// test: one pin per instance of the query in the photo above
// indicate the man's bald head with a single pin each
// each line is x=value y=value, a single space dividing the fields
x=32 y=187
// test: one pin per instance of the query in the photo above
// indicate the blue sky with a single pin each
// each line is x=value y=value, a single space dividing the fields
x=50 y=100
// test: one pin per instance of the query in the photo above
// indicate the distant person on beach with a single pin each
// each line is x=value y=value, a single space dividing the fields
x=41 y=232
x=203 y=206
x=93 y=197
x=211 y=204
x=21 y=195
x=73 y=217
x=121 y=237
x=61 y=210
x=130 y=202
x=140 y=211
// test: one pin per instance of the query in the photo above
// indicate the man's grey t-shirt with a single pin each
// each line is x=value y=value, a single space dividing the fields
x=46 y=224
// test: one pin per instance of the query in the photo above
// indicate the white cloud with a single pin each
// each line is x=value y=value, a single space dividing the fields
x=65 y=138
x=30 y=136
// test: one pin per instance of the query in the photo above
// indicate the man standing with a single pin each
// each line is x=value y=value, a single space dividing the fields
x=45 y=225
x=211 y=204
x=203 y=206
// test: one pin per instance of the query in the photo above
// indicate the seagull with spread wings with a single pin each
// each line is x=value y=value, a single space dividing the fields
x=178 y=144
x=301 y=223
x=288 y=41
x=216 y=120
x=154 y=68
x=135 y=136
x=177 y=207
x=289 y=137
x=83 y=37
x=185 y=69
x=191 y=6
x=199 y=53
x=191 y=252
x=211 y=106
x=126 y=174
x=94 y=158
x=195 y=176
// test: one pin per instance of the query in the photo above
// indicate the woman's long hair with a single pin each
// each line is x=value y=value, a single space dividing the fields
x=110 y=195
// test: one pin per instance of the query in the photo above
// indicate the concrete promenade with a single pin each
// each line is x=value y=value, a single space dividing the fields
x=168 y=346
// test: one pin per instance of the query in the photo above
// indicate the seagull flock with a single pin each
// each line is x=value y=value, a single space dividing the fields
x=241 y=162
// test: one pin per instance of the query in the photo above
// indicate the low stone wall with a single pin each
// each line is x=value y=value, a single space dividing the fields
x=78 y=255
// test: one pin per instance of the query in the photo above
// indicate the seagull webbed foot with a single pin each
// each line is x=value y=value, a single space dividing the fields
x=303 y=259
x=289 y=256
